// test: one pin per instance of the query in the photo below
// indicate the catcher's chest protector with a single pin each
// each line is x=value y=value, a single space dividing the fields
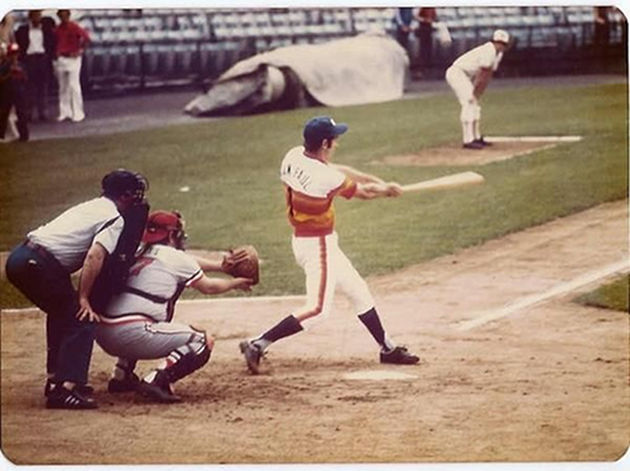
x=113 y=275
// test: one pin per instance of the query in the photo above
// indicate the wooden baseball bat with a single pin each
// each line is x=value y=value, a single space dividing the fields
x=443 y=183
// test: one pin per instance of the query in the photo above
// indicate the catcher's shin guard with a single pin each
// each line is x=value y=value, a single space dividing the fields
x=187 y=358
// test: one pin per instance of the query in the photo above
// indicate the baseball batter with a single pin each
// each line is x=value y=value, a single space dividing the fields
x=138 y=323
x=468 y=77
x=311 y=183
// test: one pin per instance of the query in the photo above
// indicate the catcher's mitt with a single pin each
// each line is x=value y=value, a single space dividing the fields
x=242 y=262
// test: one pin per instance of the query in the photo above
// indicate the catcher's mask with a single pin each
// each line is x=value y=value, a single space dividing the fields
x=123 y=182
x=160 y=224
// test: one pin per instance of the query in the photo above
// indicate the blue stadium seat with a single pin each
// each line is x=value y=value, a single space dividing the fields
x=150 y=59
x=133 y=63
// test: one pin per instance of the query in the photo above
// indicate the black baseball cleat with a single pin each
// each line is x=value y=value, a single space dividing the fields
x=483 y=142
x=129 y=383
x=158 y=390
x=83 y=389
x=62 y=398
x=473 y=145
x=252 y=354
x=399 y=356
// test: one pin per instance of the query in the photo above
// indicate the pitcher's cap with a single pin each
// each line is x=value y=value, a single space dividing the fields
x=501 y=36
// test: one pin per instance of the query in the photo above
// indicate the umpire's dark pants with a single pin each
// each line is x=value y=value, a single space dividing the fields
x=46 y=283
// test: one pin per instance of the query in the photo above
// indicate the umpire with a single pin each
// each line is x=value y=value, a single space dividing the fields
x=40 y=267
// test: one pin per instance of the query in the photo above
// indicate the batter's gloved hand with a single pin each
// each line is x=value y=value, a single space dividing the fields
x=242 y=262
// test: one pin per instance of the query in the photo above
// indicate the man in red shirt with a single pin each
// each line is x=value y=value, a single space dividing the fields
x=71 y=41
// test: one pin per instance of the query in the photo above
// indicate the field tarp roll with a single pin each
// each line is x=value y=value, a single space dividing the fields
x=367 y=68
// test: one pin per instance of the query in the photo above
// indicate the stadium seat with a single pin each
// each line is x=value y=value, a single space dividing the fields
x=150 y=59
x=133 y=63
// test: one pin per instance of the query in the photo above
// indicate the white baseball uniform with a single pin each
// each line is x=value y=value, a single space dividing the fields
x=137 y=323
x=310 y=187
x=460 y=76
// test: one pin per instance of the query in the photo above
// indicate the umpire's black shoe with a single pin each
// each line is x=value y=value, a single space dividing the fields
x=158 y=390
x=252 y=355
x=129 y=383
x=83 y=389
x=63 y=398
x=399 y=356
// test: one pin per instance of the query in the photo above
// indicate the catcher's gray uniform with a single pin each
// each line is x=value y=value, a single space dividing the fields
x=137 y=324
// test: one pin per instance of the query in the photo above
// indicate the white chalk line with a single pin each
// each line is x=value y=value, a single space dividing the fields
x=560 y=289
x=533 y=138
x=206 y=301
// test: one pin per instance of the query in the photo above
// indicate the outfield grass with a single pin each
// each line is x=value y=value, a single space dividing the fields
x=235 y=197
x=613 y=295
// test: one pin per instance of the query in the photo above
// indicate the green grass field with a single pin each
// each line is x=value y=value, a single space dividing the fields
x=235 y=197
x=613 y=295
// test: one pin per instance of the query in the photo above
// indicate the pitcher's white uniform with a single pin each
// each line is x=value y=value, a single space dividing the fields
x=310 y=187
x=461 y=75
x=137 y=323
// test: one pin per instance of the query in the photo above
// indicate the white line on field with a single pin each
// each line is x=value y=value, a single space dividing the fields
x=533 y=138
x=207 y=301
x=557 y=290
x=251 y=299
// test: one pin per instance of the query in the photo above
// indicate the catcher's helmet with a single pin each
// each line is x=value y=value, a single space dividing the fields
x=121 y=182
x=160 y=224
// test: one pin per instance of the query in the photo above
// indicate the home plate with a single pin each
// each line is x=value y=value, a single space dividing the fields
x=378 y=375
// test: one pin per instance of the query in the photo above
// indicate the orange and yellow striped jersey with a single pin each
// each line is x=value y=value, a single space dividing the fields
x=310 y=186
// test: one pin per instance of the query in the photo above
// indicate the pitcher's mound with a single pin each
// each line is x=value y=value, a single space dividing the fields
x=502 y=148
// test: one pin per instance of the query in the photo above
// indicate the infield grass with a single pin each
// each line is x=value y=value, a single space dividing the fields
x=613 y=295
x=235 y=197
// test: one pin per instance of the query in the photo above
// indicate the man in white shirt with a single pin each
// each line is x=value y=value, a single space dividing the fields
x=137 y=324
x=40 y=267
x=468 y=77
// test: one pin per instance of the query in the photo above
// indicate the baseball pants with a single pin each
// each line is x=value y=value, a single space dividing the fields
x=134 y=337
x=327 y=267
x=44 y=282
x=470 y=109
x=68 y=71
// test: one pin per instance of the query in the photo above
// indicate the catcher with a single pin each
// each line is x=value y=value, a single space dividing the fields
x=137 y=324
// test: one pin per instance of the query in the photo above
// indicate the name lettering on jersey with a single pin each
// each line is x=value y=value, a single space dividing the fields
x=297 y=174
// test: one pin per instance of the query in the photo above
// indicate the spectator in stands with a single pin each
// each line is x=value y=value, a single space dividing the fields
x=71 y=41
x=602 y=26
x=402 y=20
x=12 y=93
x=6 y=29
x=426 y=17
x=36 y=39
x=601 y=35
x=468 y=77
